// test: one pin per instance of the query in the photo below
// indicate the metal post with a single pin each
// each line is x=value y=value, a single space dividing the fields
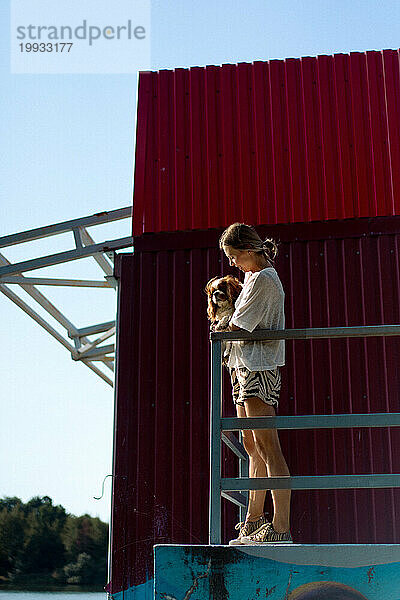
x=243 y=472
x=215 y=443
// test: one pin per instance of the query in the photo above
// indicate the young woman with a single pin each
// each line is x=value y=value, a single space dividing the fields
x=254 y=368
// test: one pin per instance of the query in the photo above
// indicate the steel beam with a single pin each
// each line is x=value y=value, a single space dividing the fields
x=243 y=472
x=84 y=350
x=100 y=373
x=29 y=311
x=62 y=257
x=312 y=421
x=42 y=300
x=215 y=444
x=19 y=279
x=230 y=440
x=308 y=334
x=101 y=260
x=92 y=329
x=311 y=482
x=48 y=230
x=235 y=497
x=91 y=354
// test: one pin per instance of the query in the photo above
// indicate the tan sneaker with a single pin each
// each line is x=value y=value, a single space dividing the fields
x=248 y=528
x=266 y=534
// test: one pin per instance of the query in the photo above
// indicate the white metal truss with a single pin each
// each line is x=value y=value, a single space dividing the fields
x=83 y=348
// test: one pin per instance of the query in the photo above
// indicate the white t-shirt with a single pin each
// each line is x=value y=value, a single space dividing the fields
x=260 y=305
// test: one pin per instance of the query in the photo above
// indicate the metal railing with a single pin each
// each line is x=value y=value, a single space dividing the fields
x=221 y=428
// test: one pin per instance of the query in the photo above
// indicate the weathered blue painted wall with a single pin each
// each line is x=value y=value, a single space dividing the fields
x=348 y=572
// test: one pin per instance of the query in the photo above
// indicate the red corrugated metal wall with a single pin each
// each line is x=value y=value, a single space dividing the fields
x=283 y=141
x=334 y=273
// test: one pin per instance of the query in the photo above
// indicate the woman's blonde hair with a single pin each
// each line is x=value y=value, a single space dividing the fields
x=240 y=236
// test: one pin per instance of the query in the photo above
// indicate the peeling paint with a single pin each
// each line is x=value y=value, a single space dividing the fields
x=192 y=588
x=370 y=574
x=288 y=585
x=270 y=591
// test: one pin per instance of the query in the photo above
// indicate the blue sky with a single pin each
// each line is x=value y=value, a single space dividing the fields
x=68 y=151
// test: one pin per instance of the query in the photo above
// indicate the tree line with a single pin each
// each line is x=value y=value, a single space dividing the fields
x=42 y=544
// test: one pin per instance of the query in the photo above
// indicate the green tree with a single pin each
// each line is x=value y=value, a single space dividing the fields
x=8 y=503
x=84 y=570
x=87 y=535
x=12 y=536
x=42 y=540
x=43 y=552
x=43 y=548
x=43 y=515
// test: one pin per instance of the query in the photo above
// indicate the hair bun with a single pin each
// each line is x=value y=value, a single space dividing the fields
x=270 y=247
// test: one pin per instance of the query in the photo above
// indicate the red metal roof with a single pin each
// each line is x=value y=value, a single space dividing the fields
x=334 y=273
x=283 y=141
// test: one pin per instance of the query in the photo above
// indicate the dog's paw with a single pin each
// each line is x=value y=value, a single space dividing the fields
x=222 y=327
x=223 y=323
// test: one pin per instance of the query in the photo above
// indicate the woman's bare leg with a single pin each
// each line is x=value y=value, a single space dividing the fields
x=257 y=468
x=269 y=448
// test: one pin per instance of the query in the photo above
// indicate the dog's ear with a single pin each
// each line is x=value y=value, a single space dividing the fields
x=211 y=308
x=208 y=289
x=234 y=287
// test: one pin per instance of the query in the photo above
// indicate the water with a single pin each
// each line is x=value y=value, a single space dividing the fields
x=27 y=595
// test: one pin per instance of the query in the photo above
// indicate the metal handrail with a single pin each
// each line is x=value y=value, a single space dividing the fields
x=221 y=427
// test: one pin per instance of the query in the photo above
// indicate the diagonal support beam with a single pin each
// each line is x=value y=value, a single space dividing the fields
x=99 y=351
x=29 y=311
x=100 y=373
x=99 y=258
x=77 y=237
x=41 y=300
x=83 y=350
x=235 y=497
x=230 y=440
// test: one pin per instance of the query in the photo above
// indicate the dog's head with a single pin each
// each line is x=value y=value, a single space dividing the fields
x=222 y=293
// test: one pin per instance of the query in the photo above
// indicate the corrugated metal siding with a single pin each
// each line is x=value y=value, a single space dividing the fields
x=282 y=141
x=337 y=273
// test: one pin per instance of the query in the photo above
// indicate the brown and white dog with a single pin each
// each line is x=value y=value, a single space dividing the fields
x=222 y=293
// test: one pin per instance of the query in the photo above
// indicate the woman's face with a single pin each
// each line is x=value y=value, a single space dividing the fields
x=245 y=260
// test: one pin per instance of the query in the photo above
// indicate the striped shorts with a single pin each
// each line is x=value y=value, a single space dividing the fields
x=266 y=385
